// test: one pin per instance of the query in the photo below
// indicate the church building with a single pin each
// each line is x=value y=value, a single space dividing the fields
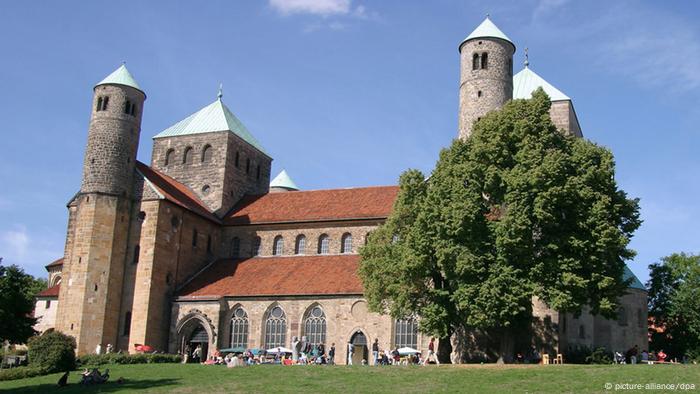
x=201 y=247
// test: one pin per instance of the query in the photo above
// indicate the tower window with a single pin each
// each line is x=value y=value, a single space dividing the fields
x=99 y=104
x=257 y=173
x=195 y=235
x=209 y=243
x=127 y=107
x=137 y=252
x=169 y=156
x=478 y=94
x=484 y=60
x=102 y=103
x=187 y=157
x=247 y=166
x=206 y=154
x=475 y=61
x=127 y=324
x=133 y=110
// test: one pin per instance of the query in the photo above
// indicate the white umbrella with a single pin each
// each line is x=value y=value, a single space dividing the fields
x=279 y=349
x=407 y=350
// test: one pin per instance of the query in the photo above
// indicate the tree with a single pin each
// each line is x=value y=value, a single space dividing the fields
x=518 y=210
x=674 y=304
x=17 y=291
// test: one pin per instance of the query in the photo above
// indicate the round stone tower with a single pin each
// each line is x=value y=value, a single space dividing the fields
x=486 y=68
x=113 y=136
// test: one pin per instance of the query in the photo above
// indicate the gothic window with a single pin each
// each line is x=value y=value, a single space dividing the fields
x=475 y=61
x=235 y=247
x=300 y=244
x=346 y=243
x=275 y=328
x=323 y=242
x=187 y=157
x=238 y=155
x=255 y=250
x=239 y=328
x=206 y=154
x=278 y=246
x=406 y=333
x=137 y=251
x=127 y=324
x=315 y=326
x=484 y=60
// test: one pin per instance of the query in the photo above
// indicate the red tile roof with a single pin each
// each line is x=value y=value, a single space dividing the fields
x=176 y=192
x=278 y=276
x=55 y=263
x=51 y=291
x=315 y=205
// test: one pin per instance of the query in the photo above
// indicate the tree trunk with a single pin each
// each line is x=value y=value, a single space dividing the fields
x=444 y=350
x=506 y=345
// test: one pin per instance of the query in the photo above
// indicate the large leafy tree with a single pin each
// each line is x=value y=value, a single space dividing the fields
x=17 y=292
x=518 y=210
x=674 y=304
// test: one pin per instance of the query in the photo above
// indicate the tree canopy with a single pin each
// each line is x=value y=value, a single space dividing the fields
x=674 y=304
x=17 y=292
x=518 y=210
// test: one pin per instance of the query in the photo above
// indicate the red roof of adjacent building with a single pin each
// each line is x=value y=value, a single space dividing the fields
x=175 y=192
x=55 y=263
x=51 y=291
x=278 y=276
x=315 y=205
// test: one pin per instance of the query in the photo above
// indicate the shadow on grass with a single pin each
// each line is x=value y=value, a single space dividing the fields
x=127 y=386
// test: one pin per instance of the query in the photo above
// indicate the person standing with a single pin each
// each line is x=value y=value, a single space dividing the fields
x=351 y=350
x=98 y=349
x=375 y=351
x=197 y=356
x=331 y=354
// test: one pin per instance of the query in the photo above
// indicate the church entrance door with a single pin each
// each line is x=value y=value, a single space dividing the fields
x=199 y=339
x=359 y=343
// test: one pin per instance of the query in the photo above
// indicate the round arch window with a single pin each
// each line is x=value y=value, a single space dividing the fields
x=276 y=312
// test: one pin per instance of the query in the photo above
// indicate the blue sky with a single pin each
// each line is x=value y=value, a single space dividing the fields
x=344 y=92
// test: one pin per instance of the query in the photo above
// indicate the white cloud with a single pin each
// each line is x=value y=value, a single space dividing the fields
x=30 y=250
x=545 y=7
x=314 y=7
x=15 y=243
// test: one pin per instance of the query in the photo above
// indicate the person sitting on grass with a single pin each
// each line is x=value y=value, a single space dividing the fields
x=661 y=356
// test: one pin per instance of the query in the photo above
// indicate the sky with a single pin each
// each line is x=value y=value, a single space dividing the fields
x=343 y=93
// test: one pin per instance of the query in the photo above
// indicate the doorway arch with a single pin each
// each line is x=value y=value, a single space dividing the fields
x=195 y=331
x=358 y=340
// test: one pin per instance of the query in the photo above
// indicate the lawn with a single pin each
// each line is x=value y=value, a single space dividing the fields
x=178 y=378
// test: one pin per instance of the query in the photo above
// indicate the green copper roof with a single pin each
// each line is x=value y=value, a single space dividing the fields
x=120 y=76
x=487 y=29
x=214 y=117
x=636 y=283
x=283 y=180
x=526 y=81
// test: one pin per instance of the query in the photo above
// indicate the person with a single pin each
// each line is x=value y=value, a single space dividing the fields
x=63 y=381
x=98 y=349
x=431 y=352
x=331 y=354
x=197 y=355
x=631 y=355
x=645 y=356
x=375 y=351
x=109 y=348
x=351 y=350
x=661 y=356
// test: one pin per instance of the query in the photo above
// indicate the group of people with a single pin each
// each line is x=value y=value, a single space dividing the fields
x=632 y=356
x=394 y=357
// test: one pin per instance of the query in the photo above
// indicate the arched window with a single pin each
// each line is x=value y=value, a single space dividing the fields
x=239 y=328
x=315 y=326
x=622 y=316
x=127 y=107
x=102 y=103
x=346 y=243
x=278 y=246
x=99 y=104
x=275 y=328
x=235 y=247
x=169 y=156
x=255 y=249
x=475 y=61
x=300 y=244
x=187 y=157
x=406 y=333
x=206 y=154
x=484 y=60
x=323 y=242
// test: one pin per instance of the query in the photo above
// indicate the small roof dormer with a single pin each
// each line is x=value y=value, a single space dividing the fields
x=283 y=183
x=487 y=29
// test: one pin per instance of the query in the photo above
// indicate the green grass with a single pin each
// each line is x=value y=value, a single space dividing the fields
x=178 y=378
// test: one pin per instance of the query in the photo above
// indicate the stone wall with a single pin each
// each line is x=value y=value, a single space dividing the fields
x=484 y=90
x=45 y=310
x=344 y=316
x=564 y=117
x=219 y=181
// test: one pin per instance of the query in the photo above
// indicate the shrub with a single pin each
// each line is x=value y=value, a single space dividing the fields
x=599 y=356
x=22 y=372
x=123 y=358
x=577 y=354
x=52 y=351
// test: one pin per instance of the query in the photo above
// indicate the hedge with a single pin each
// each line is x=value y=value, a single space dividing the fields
x=124 y=358
x=23 y=372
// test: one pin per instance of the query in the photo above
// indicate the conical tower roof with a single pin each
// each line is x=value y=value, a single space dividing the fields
x=487 y=29
x=120 y=76
x=214 y=117
x=283 y=180
x=526 y=81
